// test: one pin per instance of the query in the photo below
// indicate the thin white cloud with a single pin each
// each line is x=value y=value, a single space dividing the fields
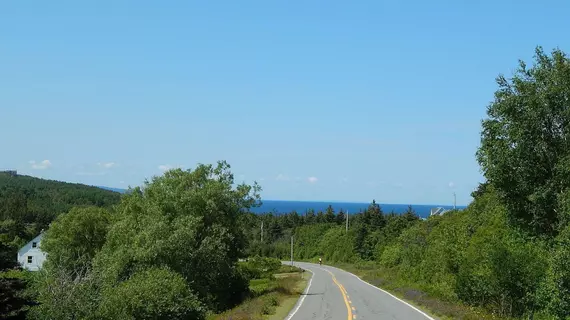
x=451 y=184
x=375 y=183
x=282 y=177
x=41 y=165
x=166 y=167
x=122 y=182
x=261 y=179
x=106 y=165
x=312 y=179
x=87 y=173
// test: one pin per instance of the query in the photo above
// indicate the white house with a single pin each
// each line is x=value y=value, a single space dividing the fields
x=30 y=256
x=439 y=211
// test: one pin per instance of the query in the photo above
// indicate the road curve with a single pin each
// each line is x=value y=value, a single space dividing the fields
x=334 y=294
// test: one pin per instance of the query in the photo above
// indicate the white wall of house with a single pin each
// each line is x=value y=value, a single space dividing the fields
x=30 y=256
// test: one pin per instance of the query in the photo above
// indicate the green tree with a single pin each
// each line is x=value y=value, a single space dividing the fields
x=340 y=217
x=310 y=216
x=156 y=293
x=295 y=219
x=275 y=230
x=329 y=215
x=62 y=294
x=14 y=302
x=374 y=217
x=480 y=190
x=360 y=244
x=524 y=148
x=7 y=254
x=320 y=217
x=187 y=222
x=74 y=238
x=410 y=214
x=556 y=291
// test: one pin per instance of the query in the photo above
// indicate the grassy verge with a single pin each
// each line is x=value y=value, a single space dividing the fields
x=415 y=294
x=289 y=302
x=271 y=299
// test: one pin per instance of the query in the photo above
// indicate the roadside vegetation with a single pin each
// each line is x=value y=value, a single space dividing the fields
x=273 y=291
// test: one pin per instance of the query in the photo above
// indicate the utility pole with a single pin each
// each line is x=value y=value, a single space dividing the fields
x=291 y=250
x=454 y=201
x=346 y=221
x=261 y=230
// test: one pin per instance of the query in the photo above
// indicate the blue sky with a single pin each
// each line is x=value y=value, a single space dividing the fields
x=316 y=100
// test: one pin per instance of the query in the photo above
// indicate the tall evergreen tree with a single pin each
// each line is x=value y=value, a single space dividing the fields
x=310 y=216
x=374 y=216
x=329 y=214
x=320 y=217
x=340 y=217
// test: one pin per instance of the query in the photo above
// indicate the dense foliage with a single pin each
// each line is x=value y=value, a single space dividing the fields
x=169 y=250
x=259 y=267
x=525 y=145
x=27 y=206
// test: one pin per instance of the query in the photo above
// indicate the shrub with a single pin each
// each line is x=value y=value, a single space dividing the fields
x=272 y=299
x=555 y=292
x=155 y=293
x=260 y=267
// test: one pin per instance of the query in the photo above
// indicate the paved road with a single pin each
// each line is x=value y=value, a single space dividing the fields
x=335 y=294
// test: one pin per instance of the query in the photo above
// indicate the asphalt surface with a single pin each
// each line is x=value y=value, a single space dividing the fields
x=335 y=294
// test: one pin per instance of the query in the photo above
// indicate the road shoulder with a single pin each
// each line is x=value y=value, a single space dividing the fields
x=290 y=305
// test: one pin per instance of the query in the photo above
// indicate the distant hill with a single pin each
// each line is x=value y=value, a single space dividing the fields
x=34 y=202
x=119 y=190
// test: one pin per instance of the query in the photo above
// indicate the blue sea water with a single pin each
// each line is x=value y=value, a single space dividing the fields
x=280 y=207
x=283 y=206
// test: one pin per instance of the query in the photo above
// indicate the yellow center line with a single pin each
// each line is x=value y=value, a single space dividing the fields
x=344 y=296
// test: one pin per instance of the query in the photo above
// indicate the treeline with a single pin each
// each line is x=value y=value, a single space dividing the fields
x=278 y=228
x=509 y=251
x=28 y=204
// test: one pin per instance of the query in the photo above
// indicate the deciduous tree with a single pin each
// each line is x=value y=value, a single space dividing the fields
x=525 y=143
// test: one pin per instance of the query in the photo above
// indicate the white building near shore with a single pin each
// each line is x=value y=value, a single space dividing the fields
x=30 y=256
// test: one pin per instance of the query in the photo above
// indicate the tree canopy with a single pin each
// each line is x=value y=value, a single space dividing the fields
x=525 y=141
x=28 y=204
x=171 y=250
x=75 y=237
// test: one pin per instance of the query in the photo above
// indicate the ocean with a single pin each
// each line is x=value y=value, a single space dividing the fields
x=281 y=206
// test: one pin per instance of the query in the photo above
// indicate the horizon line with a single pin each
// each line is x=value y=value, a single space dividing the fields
x=367 y=203
x=339 y=201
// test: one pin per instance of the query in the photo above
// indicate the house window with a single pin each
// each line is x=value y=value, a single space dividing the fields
x=29 y=259
x=34 y=244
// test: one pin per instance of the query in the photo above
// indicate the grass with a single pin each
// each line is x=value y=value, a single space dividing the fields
x=289 y=302
x=270 y=299
x=287 y=268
